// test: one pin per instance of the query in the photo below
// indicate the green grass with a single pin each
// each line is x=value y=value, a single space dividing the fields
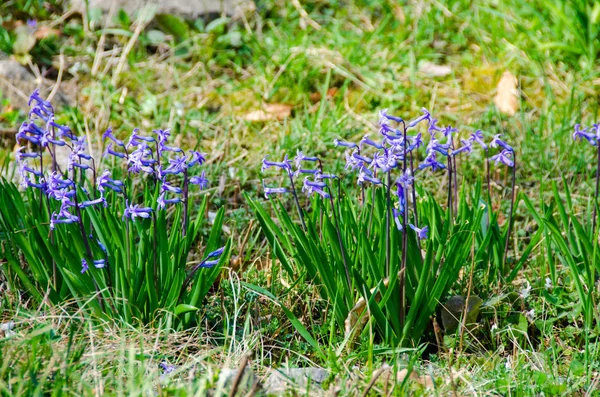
x=368 y=55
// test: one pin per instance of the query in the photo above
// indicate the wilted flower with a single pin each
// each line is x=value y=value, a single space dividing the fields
x=530 y=315
x=525 y=291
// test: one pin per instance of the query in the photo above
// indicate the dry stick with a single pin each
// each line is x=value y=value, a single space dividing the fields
x=58 y=78
x=140 y=25
x=239 y=375
x=512 y=205
x=376 y=376
x=470 y=286
x=596 y=196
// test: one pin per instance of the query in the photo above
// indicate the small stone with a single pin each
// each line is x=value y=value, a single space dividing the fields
x=431 y=69
x=302 y=379
x=187 y=9
x=227 y=377
x=17 y=83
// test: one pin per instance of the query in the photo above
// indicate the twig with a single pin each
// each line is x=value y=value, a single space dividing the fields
x=304 y=15
x=239 y=375
x=59 y=77
x=376 y=376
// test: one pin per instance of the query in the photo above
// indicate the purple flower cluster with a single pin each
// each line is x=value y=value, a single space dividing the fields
x=394 y=149
x=42 y=133
x=149 y=155
x=590 y=134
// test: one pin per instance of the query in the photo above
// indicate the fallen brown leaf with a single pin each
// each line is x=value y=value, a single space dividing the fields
x=316 y=96
x=271 y=111
x=423 y=380
x=44 y=31
x=506 y=98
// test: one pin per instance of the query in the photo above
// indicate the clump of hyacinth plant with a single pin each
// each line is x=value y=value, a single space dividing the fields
x=126 y=240
x=592 y=136
x=393 y=244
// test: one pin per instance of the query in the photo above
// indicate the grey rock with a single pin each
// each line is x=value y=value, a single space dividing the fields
x=17 y=83
x=283 y=379
x=188 y=9
x=227 y=378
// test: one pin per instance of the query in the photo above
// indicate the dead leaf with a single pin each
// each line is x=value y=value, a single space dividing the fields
x=44 y=31
x=399 y=14
x=432 y=69
x=316 y=96
x=271 y=111
x=357 y=319
x=423 y=380
x=507 y=95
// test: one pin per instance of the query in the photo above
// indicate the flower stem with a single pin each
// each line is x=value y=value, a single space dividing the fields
x=404 y=242
x=88 y=249
x=296 y=200
x=596 y=195
x=387 y=224
x=414 y=198
x=372 y=205
x=512 y=205
x=489 y=192
x=450 y=186
x=155 y=268
x=185 y=202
